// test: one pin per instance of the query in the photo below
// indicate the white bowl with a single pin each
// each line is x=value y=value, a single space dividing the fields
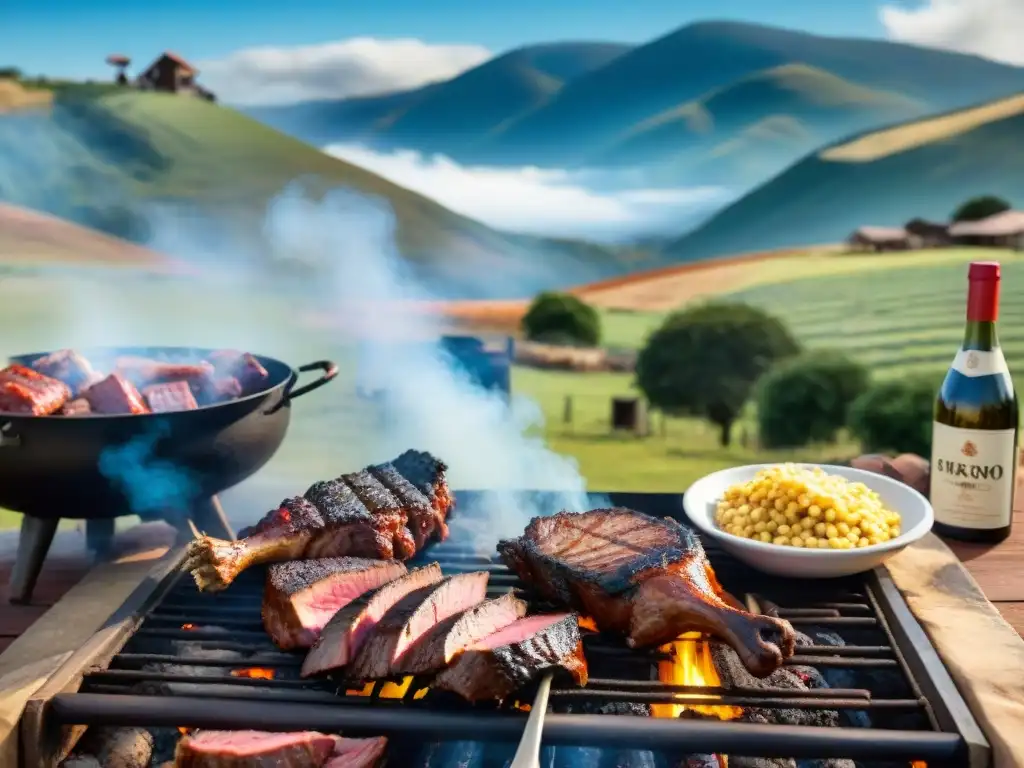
x=916 y=513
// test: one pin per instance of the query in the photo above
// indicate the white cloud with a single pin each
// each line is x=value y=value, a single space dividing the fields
x=990 y=28
x=587 y=204
x=355 y=67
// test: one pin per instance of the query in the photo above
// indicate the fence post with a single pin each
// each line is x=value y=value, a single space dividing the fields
x=567 y=411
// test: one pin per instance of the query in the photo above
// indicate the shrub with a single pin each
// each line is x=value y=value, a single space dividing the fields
x=704 y=361
x=895 y=416
x=978 y=208
x=559 y=318
x=806 y=399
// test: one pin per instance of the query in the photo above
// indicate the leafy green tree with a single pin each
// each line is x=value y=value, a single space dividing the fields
x=704 y=361
x=10 y=73
x=806 y=399
x=560 y=318
x=978 y=208
x=895 y=416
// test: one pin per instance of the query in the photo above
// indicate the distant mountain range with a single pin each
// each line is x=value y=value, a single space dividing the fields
x=713 y=102
x=922 y=168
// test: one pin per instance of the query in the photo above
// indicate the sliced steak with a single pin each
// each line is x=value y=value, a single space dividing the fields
x=358 y=753
x=345 y=633
x=505 y=661
x=254 y=749
x=448 y=638
x=412 y=617
x=301 y=596
x=642 y=576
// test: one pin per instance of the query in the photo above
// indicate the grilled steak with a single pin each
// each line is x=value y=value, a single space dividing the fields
x=172 y=396
x=254 y=749
x=411 y=618
x=70 y=367
x=642 y=576
x=447 y=638
x=115 y=395
x=142 y=371
x=343 y=637
x=24 y=390
x=77 y=407
x=363 y=514
x=505 y=661
x=358 y=753
x=301 y=596
x=241 y=366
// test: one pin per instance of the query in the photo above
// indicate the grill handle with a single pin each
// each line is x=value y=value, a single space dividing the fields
x=330 y=370
x=528 y=753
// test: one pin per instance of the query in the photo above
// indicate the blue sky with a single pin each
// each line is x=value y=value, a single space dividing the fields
x=70 y=38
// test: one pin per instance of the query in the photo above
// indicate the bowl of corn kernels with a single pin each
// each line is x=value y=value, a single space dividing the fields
x=808 y=520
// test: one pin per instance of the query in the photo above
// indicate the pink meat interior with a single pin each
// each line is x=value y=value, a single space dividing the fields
x=381 y=602
x=314 y=607
x=518 y=631
x=356 y=753
x=454 y=595
x=242 y=744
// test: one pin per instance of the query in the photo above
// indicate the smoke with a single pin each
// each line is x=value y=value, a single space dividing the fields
x=432 y=404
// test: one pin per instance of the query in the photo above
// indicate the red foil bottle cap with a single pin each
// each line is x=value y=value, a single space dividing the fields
x=983 y=270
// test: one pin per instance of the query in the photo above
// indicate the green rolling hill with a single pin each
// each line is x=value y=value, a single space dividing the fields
x=96 y=159
x=924 y=167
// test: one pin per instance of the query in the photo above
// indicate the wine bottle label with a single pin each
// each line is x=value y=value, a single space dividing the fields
x=976 y=362
x=972 y=476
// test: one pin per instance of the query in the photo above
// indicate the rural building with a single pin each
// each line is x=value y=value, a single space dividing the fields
x=1003 y=230
x=882 y=239
x=930 y=234
x=172 y=74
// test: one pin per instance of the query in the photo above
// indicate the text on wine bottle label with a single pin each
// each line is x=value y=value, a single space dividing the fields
x=976 y=362
x=973 y=472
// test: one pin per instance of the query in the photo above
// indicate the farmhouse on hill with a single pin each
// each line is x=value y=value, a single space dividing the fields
x=880 y=239
x=930 y=234
x=1003 y=230
x=172 y=74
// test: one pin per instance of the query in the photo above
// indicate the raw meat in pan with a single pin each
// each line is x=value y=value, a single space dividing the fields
x=115 y=395
x=301 y=596
x=169 y=397
x=358 y=753
x=412 y=617
x=446 y=639
x=26 y=391
x=70 y=367
x=505 y=661
x=356 y=515
x=645 y=577
x=253 y=749
x=343 y=637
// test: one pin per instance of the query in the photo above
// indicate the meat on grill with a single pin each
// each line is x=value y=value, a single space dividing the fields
x=172 y=396
x=70 y=367
x=363 y=514
x=115 y=395
x=241 y=366
x=254 y=749
x=301 y=596
x=26 y=391
x=343 y=637
x=357 y=753
x=505 y=661
x=411 y=618
x=645 y=577
x=77 y=407
x=448 y=638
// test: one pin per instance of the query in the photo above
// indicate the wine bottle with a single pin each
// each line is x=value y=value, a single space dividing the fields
x=974 y=434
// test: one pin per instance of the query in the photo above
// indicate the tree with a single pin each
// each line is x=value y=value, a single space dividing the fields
x=895 y=416
x=10 y=73
x=705 y=361
x=806 y=399
x=560 y=318
x=978 y=208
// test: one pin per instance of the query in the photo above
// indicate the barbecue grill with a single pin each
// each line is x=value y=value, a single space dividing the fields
x=178 y=659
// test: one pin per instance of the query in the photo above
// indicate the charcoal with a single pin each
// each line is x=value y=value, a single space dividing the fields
x=700 y=761
x=761 y=762
x=452 y=754
x=120 y=747
x=81 y=761
x=571 y=757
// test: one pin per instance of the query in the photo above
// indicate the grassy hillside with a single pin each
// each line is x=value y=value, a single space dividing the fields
x=681 y=66
x=770 y=115
x=441 y=117
x=921 y=168
x=97 y=160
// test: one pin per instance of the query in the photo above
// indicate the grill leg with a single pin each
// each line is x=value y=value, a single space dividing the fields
x=33 y=544
x=99 y=536
x=209 y=517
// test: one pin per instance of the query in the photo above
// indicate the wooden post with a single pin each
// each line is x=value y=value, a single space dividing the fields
x=567 y=411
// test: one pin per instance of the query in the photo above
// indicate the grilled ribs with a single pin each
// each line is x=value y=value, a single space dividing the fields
x=505 y=661
x=645 y=577
x=301 y=596
x=385 y=511
x=26 y=391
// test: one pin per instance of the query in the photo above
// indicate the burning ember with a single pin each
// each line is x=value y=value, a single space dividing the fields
x=586 y=622
x=388 y=690
x=188 y=627
x=256 y=673
x=691 y=664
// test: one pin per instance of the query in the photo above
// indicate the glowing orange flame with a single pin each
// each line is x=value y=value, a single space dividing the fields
x=918 y=764
x=388 y=690
x=188 y=627
x=586 y=622
x=691 y=664
x=184 y=731
x=256 y=673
